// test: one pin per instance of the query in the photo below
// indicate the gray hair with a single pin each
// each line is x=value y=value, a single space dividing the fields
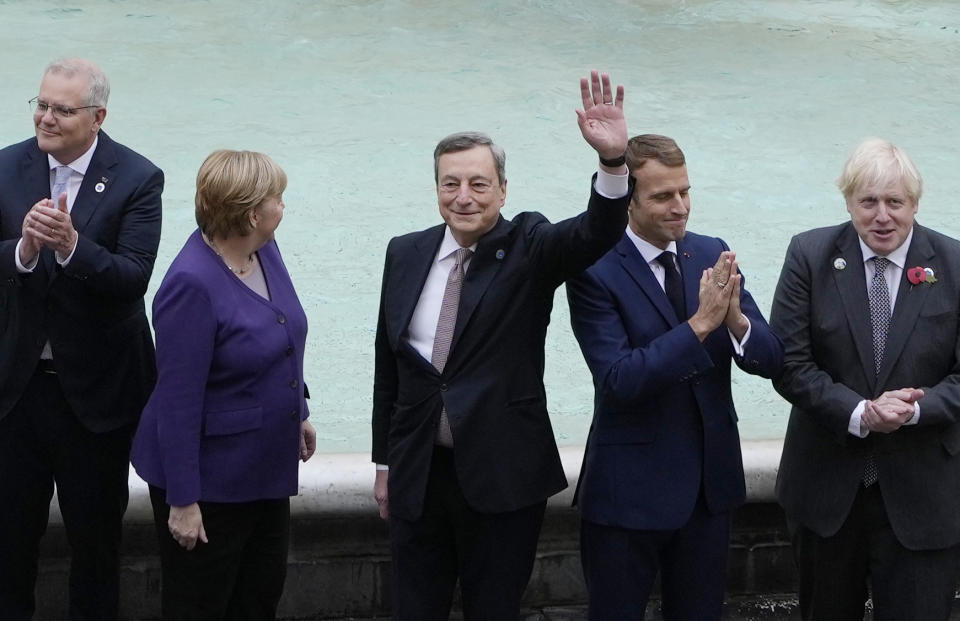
x=880 y=161
x=98 y=87
x=462 y=141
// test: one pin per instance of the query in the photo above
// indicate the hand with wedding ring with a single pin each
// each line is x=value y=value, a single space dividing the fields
x=715 y=293
x=736 y=321
x=50 y=225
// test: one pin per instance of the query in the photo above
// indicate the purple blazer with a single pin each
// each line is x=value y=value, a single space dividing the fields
x=223 y=423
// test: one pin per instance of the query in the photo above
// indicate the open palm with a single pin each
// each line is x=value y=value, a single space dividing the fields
x=601 y=120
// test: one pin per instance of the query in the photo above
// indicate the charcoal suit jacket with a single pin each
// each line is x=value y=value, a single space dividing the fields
x=821 y=312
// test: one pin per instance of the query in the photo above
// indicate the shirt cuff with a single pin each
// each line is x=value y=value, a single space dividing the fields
x=20 y=266
x=854 y=426
x=916 y=414
x=611 y=186
x=382 y=467
x=738 y=347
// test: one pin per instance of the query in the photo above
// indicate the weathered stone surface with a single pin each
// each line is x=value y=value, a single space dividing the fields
x=340 y=561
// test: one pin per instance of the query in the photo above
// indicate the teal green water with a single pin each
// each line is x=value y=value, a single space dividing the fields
x=766 y=98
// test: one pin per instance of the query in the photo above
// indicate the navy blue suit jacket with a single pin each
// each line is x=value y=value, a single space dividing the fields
x=664 y=423
x=92 y=310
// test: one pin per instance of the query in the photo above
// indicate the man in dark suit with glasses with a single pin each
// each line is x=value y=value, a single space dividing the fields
x=79 y=229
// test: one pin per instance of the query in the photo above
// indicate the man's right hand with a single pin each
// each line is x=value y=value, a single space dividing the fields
x=31 y=243
x=715 y=292
x=380 y=493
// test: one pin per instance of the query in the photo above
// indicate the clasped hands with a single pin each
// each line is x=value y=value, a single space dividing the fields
x=720 y=299
x=891 y=410
x=47 y=224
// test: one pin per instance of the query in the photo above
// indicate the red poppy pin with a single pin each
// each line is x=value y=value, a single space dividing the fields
x=917 y=275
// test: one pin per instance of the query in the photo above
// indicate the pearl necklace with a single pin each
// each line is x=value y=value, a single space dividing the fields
x=239 y=271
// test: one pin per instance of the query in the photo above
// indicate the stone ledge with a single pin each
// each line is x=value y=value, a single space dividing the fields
x=339 y=562
x=342 y=483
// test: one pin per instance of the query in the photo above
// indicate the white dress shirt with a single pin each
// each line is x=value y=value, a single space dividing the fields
x=422 y=330
x=893 y=275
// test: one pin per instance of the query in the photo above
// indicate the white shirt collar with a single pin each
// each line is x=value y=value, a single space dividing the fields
x=80 y=164
x=449 y=245
x=648 y=251
x=898 y=257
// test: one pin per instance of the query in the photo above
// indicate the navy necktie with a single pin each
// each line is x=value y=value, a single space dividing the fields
x=673 y=284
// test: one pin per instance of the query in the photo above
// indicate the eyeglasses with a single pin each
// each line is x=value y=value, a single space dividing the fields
x=61 y=112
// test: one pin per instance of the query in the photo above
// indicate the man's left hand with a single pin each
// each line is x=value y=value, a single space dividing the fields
x=53 y=226
x=601 y=120
x=735 y=320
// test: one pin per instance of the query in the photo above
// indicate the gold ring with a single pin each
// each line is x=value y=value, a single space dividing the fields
x=721 y=284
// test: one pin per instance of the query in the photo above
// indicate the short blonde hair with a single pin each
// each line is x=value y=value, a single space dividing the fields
x=877 y=161
x=230 y=185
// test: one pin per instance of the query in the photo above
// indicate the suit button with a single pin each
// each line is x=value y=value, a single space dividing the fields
x=289 y=351
x=443 y=388
x=281 y=319
x=293 y=415
x=294 y=383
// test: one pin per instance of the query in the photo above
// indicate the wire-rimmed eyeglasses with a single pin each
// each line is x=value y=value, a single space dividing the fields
x=61 y=112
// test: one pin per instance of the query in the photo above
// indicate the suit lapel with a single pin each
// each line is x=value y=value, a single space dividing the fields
x=690 y=270
x=98 y=172
x=407 y=280
x=35 y=173
x=910 y=300
x=633 y=263
x=851 y=284
x=490 y=255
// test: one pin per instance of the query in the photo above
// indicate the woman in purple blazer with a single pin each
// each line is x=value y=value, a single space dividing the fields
x=220 y=437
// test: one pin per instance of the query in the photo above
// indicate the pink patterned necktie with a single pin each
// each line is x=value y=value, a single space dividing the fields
x=444 y=336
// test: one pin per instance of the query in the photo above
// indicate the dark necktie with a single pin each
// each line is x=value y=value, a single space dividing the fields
x=880 y=324
x=444 y=335
x=673 y=284
x=879 y=310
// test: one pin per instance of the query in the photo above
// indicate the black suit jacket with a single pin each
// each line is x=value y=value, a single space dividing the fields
x=92 y=310
x=822 y=314
x=492 y=384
